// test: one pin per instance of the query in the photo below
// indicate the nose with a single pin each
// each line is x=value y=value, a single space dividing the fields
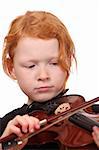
x=43 y=74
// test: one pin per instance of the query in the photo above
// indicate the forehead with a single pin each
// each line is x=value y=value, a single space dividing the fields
x=34 y=46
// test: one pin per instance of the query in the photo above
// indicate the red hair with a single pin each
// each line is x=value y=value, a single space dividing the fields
x=39 y=24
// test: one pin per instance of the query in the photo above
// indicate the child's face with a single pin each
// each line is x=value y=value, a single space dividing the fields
x=37 y=70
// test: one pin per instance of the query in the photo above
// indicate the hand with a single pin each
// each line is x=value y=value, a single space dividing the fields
x=28 y=124
x=95 y=135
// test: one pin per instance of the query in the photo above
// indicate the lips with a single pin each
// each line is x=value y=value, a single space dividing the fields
x=44 y=89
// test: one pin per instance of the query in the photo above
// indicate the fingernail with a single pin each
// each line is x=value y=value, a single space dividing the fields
x=31 y=130
x=25 y=131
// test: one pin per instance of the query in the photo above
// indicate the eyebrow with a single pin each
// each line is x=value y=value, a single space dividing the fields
x=48 y=59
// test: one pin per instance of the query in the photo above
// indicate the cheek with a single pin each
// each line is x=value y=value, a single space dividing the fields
x=22 y=74
x=60 y=77
x=23 y=79
x=25 y=86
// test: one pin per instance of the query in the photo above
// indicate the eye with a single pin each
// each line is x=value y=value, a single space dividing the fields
x=31 y=66
x=54 y=63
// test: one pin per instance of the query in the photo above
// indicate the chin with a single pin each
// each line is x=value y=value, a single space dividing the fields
x=43 y=98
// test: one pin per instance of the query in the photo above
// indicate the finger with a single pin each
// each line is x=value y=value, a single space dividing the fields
x=96 y=130
x=33 y=124
x=95 y=139
x=12 y=129
x=95 y=135
x=15 y=130
x=28 y=123
x=22 y=121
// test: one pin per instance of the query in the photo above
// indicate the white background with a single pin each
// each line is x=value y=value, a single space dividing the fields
x=82 y=20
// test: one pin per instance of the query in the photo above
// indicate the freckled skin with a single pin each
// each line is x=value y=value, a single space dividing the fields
x=37 y=70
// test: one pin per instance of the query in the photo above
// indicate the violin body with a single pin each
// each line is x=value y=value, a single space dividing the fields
x=59 y=128
x=65 y=132
x=66 y=135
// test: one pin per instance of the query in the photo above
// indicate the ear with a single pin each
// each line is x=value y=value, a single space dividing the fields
x=13 y=74
x=10 y=68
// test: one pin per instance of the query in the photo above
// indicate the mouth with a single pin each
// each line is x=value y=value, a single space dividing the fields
x=44 y=89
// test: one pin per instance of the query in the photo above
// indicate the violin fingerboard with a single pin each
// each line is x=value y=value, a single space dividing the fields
x=83 y=121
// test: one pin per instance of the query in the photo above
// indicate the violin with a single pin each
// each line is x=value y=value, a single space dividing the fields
x=71 y=127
